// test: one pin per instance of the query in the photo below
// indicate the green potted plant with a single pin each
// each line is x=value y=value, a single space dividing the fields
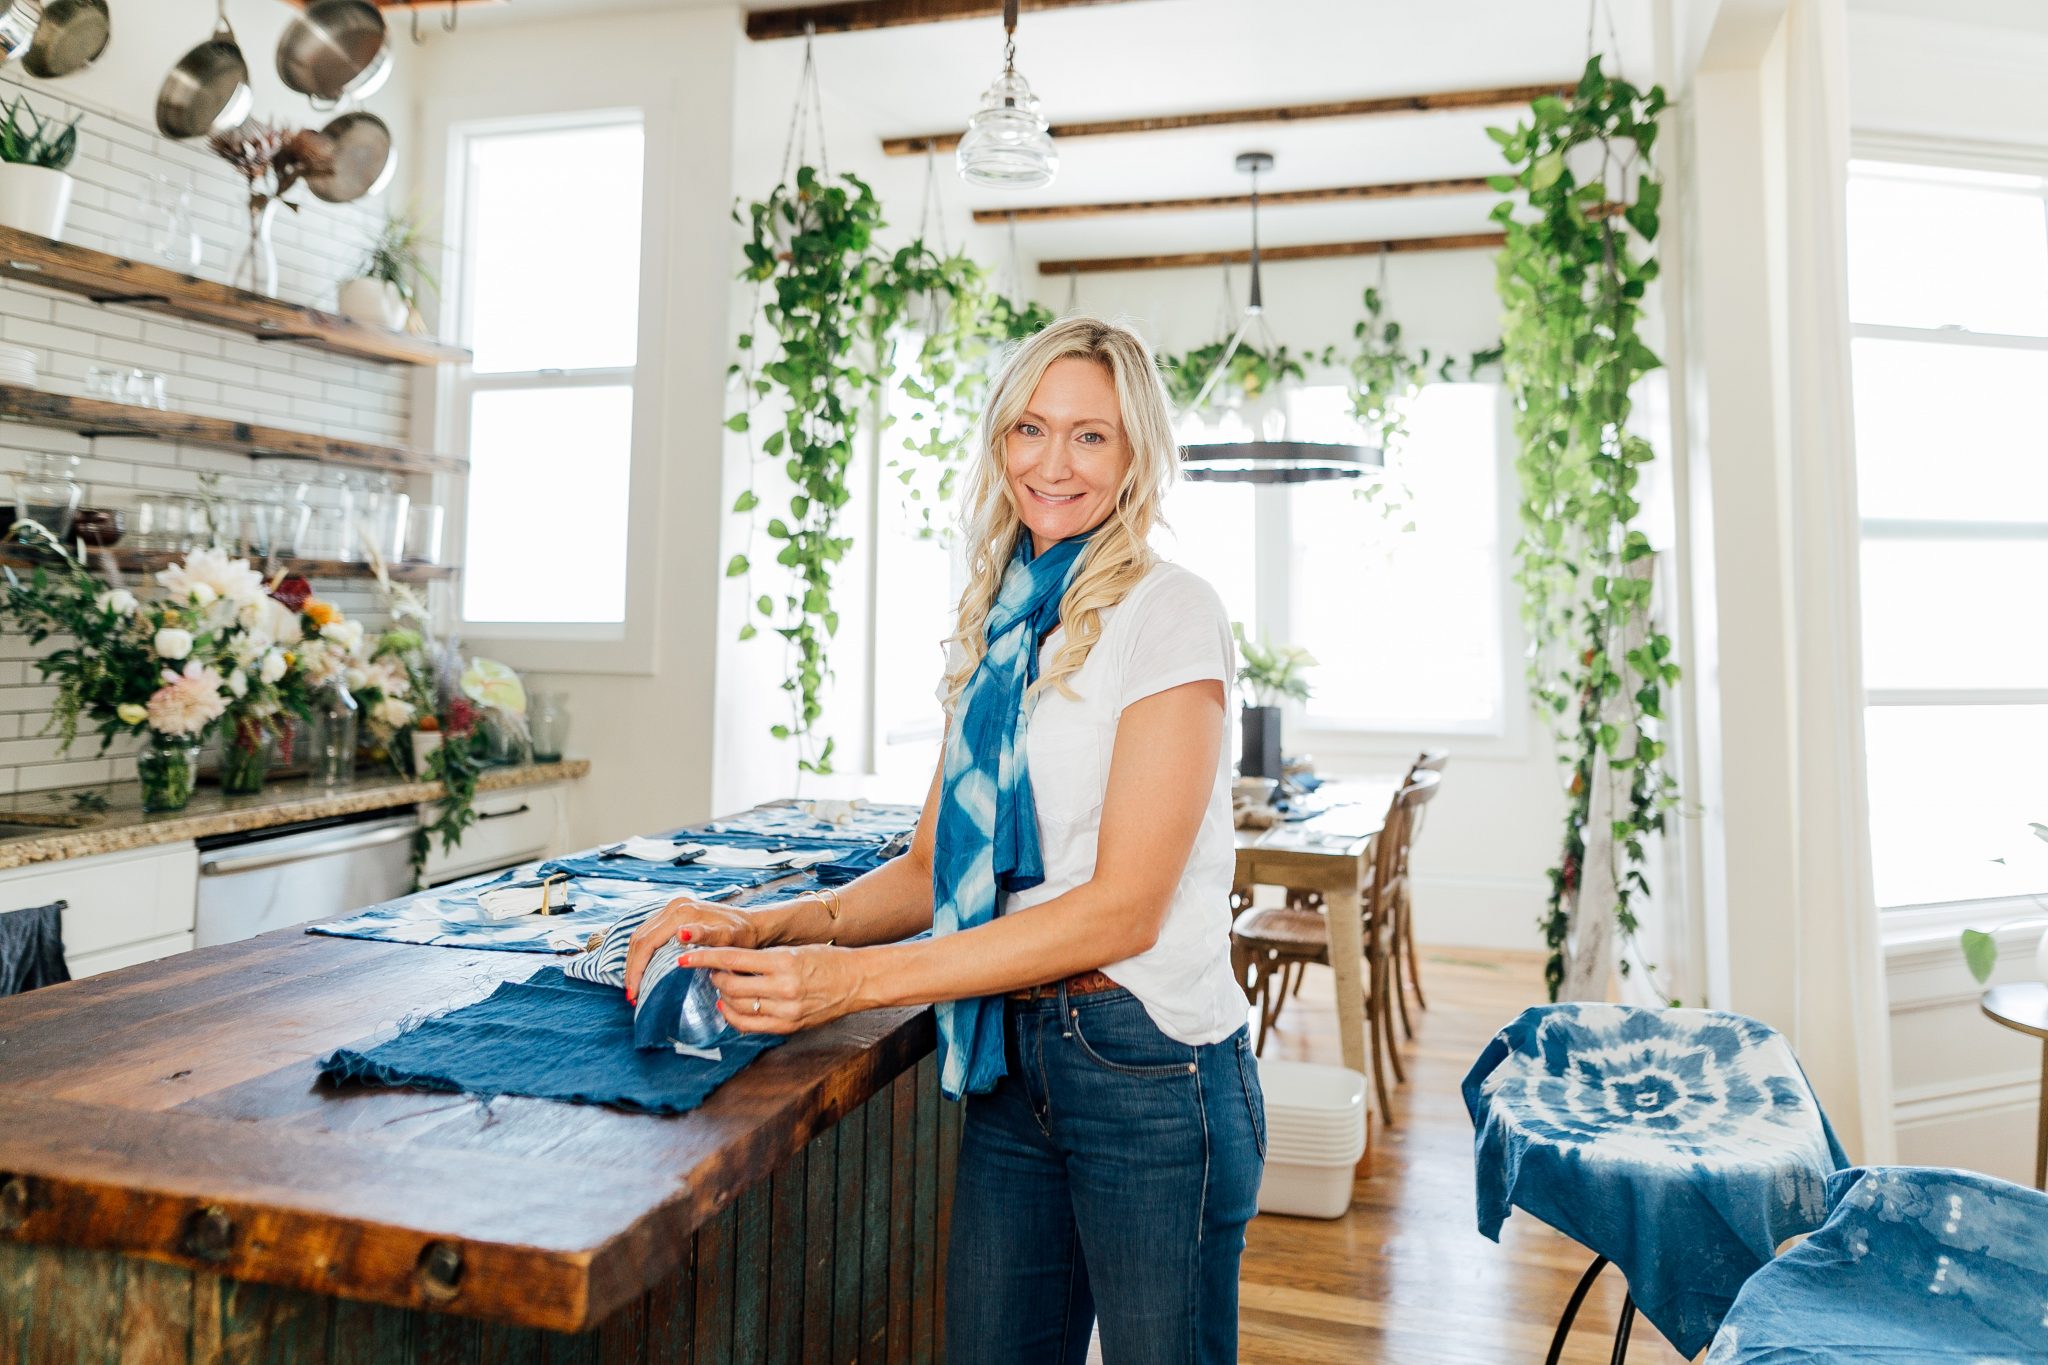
x=35 y=189
x=1268 y=673
x=387 y=288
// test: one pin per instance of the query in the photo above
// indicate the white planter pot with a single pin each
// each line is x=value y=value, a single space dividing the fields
x=424 y=742
x=34 y=199
x=376 y=302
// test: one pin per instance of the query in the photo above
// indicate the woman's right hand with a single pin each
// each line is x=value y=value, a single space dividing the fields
x=697 y=923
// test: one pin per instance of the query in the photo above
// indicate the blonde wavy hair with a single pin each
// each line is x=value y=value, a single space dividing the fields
x=1119 y=553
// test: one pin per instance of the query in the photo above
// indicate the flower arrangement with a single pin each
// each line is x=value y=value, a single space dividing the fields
x=213 y=649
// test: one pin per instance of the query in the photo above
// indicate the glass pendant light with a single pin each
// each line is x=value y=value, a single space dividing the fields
x=1007 y=145
x=1259 y=450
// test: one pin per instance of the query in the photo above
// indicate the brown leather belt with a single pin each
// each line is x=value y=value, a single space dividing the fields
x=1086 y=983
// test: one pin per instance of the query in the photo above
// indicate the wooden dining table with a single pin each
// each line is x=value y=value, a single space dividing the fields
x=1330 y=853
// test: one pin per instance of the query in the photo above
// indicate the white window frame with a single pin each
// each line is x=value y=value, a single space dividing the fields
x=628 y=647
x=1509 y=736
x=1940 y=919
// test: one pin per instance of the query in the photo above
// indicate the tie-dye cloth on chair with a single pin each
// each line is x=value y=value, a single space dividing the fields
x=1914 y=1264
x=1683 y=1145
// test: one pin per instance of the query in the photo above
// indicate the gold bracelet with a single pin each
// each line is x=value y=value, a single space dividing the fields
x=828 y=898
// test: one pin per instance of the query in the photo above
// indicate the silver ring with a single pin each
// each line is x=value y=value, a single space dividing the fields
x=757 y=1004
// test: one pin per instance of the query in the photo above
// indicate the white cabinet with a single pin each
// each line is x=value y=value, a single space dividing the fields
x=121 y=908
x=511 y=827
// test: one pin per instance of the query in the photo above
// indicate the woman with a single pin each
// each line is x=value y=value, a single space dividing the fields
x=1074 y=862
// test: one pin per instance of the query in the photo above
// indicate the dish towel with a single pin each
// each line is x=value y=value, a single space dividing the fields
x=1913 y=1264
x=550 y=1037
x=1683 y=1145
x=32 y=948
x=987 y=830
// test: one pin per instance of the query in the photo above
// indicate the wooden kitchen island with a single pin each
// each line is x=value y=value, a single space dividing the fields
x=177 y=1185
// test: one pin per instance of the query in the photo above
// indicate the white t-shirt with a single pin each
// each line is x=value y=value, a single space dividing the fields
x=1170 y=629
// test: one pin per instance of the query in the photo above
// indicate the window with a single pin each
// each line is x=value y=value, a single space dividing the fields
x=1407 y=626
x=1948 y=293
x=548 y=297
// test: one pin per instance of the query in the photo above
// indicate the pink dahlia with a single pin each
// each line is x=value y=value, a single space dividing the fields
x=188 y=702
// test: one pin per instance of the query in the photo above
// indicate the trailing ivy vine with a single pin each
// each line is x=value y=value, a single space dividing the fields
x=835 y=305
x=1571 y=278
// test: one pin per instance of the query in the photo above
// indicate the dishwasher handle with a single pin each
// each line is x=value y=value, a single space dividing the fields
x=212 y=866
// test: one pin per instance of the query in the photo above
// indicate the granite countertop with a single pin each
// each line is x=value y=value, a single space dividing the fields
x=125 y=825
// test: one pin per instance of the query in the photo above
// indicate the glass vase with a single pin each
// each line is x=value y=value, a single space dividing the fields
x=245 y=757
x=334 y=733
x=256 y=271
x=168 y=767
x=547 y=722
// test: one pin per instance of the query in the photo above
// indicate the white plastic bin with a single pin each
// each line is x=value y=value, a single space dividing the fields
x=1315 y=1134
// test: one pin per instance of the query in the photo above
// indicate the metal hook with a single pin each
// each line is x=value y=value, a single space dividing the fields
x=419 y=39
x=451 y=18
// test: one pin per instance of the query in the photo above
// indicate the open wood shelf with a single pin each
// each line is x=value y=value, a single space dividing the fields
x=102 y=417
x=104 y=278
x=149 y=561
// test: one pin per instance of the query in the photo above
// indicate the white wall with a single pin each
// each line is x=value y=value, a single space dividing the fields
x=649 y=735
x=210 y=371
x=1965 y=1089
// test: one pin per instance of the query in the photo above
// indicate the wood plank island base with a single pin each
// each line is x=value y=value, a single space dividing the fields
x=177 y=1185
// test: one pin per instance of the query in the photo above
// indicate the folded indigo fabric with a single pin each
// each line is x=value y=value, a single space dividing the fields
x=1683 y=1145
x=550 y=1037
x=32 y=948
x=1914 y=1264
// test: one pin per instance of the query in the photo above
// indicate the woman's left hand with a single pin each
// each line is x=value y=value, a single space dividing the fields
x=781 y=990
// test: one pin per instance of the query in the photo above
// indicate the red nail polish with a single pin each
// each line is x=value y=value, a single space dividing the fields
x=686 y=959
x=683 y=937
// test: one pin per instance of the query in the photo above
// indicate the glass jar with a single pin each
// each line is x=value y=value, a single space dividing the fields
x=168 y=767
x=245 y=754
x=423 y=523
x=47 y=494
x=328 y=528
x=547 y=721
x=333 y=749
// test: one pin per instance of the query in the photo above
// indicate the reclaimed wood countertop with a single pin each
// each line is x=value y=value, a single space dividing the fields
x=172 y=1111
x=281 y=802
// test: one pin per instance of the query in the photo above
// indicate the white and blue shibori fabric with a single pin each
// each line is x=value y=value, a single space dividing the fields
x=987 y=828
x=676 y=1007
x=1683 y=1145
x=1914 y=1264
x=449 y=916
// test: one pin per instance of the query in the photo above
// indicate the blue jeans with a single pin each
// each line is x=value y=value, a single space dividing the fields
x=1111 y=1172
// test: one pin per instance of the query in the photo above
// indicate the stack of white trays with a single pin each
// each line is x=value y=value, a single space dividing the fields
x=17 y=365
x=1315 y=1134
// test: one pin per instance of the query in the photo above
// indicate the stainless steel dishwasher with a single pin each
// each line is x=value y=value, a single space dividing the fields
x=272 y=878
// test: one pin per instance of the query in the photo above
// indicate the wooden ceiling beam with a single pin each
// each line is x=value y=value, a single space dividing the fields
x=1406 y=189
x=1469 y=241
x=1497 y=97
x=766 y=25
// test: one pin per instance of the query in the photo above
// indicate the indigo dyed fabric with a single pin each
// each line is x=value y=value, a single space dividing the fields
x=1914 y=1264
x=550 y=1037
x=448 y=916
x=675 y=1005
x=1683 y=1145
x=863 y=821
x=32 y=948
x=707 y=883
x=987 y=818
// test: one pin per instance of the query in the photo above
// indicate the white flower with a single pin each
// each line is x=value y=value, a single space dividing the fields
x=347 y=634
x=249 y=646
x=272 y=619
x=273 y=666
x=238 y=683
x=188 y=702
x=209 y=574
x=356 y=678
x=132 y=712
x=393 y=713
x=489 y=683
x=119 y=601
x=172 y=643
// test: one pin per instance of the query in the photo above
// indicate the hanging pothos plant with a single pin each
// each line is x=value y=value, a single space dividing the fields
x=1571 y=279
x=835 y=304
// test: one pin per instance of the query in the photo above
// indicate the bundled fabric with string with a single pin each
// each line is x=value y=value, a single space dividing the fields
x=987 y=841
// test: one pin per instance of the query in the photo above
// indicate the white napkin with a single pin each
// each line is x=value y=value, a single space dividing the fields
x=758 y=858
x=655 y=850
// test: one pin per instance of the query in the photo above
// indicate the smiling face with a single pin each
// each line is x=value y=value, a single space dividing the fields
x=1066 y=454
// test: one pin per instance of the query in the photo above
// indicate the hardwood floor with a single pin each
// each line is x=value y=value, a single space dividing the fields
x=1404 y=1277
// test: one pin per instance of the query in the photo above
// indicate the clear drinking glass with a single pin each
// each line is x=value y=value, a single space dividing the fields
x=166 y=233
x=47 y=494
x=423 y=525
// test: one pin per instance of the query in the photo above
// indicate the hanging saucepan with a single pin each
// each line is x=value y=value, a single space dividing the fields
x=363 y=163
x=208 y=90
x=70 y=38
x=336 y=50
x=18 y=26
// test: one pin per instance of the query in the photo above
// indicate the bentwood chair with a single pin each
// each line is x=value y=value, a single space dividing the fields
x=1407 y=962
x=1268 y=946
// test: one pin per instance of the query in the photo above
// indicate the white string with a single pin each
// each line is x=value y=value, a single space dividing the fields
x=808 y=100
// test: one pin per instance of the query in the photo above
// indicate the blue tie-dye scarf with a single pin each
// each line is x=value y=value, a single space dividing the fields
x=987 y=829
